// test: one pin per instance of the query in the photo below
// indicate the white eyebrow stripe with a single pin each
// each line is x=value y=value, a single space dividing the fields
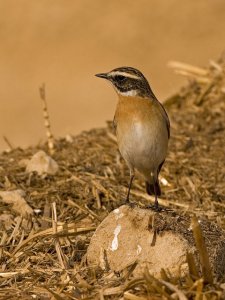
x=124 y=74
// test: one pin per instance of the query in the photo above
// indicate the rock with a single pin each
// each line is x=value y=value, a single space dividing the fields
x=69 y=138
x=18 y=202
x=42 y=164
x=128 y=235
x=6 y=220
x=23 y=162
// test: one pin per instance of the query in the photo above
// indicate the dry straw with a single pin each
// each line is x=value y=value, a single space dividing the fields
x=47 y=124
x=44 y=257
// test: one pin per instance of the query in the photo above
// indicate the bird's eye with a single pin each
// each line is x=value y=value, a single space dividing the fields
x=120 y=78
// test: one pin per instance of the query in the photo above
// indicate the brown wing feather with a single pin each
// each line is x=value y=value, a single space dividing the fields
x=166 y=118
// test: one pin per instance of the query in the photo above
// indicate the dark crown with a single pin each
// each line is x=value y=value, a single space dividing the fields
x=127 y=79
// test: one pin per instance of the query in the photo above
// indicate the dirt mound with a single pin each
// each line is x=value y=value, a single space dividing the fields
x=44 y=255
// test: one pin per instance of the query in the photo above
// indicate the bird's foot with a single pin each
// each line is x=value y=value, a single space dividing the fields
x=155 y=207
x=130 y=204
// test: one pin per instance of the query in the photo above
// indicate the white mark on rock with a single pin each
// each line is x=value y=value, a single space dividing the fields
x=115 y=242
x=139 y=249
x=118 y=213
x=102 y=262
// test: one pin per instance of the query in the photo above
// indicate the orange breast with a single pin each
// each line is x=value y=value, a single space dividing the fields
x=132 y=108
x=141 y=132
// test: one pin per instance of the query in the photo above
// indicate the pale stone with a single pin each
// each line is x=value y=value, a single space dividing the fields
x=42 y=164
x=17 y=199
x=125 y=238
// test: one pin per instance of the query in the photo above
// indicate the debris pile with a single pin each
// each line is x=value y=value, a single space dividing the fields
x=43 y=253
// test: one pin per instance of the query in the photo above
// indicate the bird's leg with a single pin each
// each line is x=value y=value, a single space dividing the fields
x=130 y=184
x=156 y=204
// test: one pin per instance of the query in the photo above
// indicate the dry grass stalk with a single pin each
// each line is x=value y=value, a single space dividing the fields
x=174 y=289
x=15 y=230
x=216 y=66
x=2 y=243
x=58 y=248
x=113 y=291
x=199 y=79
x=155 y=285
x=112 y=137
x=198 y=74
x=61 y=231
x=55 y=296
x=85 y=210
x=47 y=124
x=188 y=68
x=205 y=92
x=129 y=296
x=162 y=202
x=101 y=295
x=8 y=142
x=193 y=271
x=203 y=254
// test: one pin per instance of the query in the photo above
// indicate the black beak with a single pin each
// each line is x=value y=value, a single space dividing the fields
x=102 y=75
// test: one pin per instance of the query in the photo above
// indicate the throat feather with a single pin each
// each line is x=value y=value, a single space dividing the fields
x=131 y=93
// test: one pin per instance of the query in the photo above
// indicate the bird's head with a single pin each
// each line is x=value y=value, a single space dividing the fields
x=128 y=81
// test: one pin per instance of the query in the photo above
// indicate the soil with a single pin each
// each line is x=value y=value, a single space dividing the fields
x=44 y=255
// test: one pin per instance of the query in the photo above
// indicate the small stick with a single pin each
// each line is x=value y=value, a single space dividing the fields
x=203 y=254
x=8 y=142
x=47 y=124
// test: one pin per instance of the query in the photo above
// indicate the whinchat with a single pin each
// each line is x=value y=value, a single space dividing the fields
x=142 y=127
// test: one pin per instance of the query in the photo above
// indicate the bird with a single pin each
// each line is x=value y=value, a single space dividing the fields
x=142 y=127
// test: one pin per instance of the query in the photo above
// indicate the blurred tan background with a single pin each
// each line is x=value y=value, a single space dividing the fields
x=65 y=42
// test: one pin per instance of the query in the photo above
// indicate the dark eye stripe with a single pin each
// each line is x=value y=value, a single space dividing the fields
x=119 y=78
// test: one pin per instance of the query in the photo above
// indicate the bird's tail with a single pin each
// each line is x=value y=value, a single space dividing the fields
x=150 y=189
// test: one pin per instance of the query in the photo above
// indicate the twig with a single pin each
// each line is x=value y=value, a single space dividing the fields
x=47 y=124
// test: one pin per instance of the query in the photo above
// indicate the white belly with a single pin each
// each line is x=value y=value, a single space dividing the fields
x=143 y=146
